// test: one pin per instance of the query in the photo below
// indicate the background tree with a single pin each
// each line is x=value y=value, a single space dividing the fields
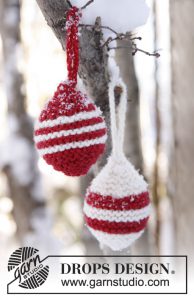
x=182 y=163
x=18 y=155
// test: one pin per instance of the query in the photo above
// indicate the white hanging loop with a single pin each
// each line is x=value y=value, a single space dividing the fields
x=117 y=131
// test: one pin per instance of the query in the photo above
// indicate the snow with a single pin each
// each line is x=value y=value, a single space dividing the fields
x=122 y=16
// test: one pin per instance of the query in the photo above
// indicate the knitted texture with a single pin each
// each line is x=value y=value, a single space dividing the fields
x=117 y=204
x=71 y=133
x=72 y=45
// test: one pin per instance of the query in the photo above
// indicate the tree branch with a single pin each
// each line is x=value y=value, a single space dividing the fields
x=103 y=27
x=123 y=36
x=135 y=50
x=133 y=47
x=68 y=2
x=87 y=4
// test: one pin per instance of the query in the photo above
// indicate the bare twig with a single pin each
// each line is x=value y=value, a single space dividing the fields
x=107 y=27
x=120 y=37
x=155 y=54
x=136 y=38
x=135 y=50
x=119 y=47
x=69 y=2
x=108 y=41
x=103 y=27
x=128 y=37
x=87 y=4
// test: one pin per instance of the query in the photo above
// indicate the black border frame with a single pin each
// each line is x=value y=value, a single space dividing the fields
x=181 y=256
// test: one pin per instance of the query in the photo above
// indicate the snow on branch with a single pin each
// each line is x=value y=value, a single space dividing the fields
x=137 y=14
x=123 y=16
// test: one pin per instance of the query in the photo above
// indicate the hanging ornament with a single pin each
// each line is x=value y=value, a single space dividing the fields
x=71 y=133
x=117 y=204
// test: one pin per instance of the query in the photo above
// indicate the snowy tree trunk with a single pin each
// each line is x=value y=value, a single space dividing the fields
x=156 y=170
x=18 y=157
x=182 y=164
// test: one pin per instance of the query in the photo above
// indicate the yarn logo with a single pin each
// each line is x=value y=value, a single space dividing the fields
x=28 y=268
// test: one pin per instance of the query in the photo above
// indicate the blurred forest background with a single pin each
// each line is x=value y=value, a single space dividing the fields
x=43 y=208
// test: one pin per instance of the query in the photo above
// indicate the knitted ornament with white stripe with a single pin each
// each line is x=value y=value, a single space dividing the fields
x=117 y=204
x=71 y=133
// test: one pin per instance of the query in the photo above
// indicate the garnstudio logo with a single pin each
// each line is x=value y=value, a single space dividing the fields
x=28 y=268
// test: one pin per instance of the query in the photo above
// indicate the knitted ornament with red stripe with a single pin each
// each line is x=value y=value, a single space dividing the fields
x=71 y=133
x=117 y=204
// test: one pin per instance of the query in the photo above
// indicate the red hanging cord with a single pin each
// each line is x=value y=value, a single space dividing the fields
x=72 y=44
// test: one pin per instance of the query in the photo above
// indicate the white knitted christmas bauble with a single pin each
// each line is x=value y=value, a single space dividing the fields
x=117 y=204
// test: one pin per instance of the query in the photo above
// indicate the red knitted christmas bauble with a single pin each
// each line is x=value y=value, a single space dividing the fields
x=117 y=204
x=70 y=133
